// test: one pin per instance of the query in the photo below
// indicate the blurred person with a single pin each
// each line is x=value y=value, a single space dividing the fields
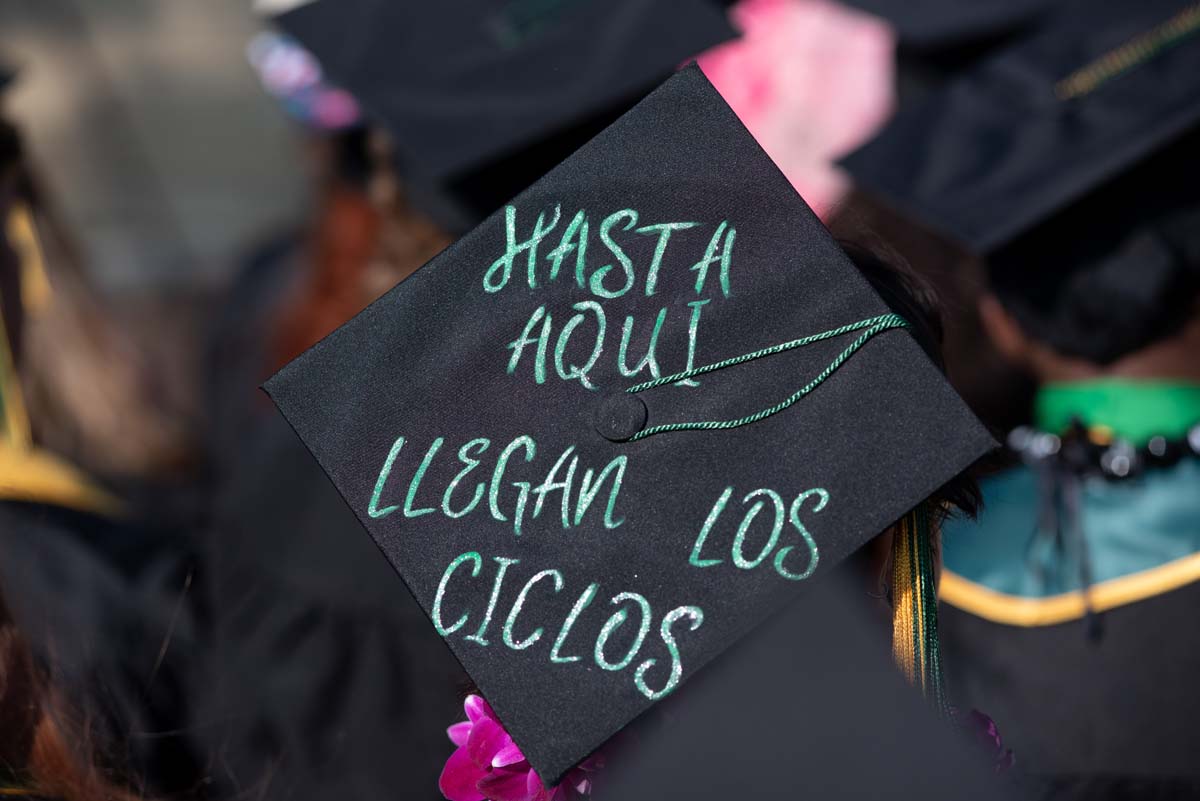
x=1065 y=163
x=1072 y=601
x=324 y=674
x=96 y=589
x=45 y=753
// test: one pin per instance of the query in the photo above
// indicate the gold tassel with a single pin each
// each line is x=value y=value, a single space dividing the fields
x=915 y=645
x=904 y=603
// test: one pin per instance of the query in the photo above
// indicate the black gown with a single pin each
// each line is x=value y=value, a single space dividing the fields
x=326 y=678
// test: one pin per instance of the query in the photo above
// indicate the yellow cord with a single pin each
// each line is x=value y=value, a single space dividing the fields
x=905 y=603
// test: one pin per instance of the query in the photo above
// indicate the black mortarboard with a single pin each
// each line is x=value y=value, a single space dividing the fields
x=465 y=86
x=607 y=432
x=926 y=24
x=1094 y=90
x=1069 y=162
x=810 y=701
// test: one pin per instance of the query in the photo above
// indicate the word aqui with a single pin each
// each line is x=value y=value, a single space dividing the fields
x=575 y=497
x=651 y=680
x=576 y=346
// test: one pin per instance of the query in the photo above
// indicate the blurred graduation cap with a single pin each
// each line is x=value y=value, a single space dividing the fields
x=1069 y=161
x=808 y=701
x=1054 y=116
x=483 y=97
x=608 y=432
x=930 y=24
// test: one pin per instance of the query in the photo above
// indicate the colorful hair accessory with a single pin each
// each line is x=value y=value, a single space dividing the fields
x=488 y=765
x=294 y=76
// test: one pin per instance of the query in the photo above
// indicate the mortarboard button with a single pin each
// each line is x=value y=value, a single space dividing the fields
x=620 y=416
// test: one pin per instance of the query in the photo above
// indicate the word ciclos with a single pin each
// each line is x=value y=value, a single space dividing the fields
x=651 y=680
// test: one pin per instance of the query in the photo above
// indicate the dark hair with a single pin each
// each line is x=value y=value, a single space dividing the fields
x=909 y=295
x=1114 y=272
x=43 y=753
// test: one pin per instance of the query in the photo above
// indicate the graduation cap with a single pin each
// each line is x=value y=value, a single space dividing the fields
x=483 y=97
x=1069 y=162
x=930 y=24
x=609 y=431
x=1091 y=93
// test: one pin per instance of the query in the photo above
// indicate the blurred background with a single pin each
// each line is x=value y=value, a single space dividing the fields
x=154 y=135
x=195 y=192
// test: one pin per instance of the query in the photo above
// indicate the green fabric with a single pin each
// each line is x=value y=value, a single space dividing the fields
x=1130 y=526
x=1134 y=410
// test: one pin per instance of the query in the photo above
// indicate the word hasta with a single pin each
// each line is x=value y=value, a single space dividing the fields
x=689 y=617
x=575 y=239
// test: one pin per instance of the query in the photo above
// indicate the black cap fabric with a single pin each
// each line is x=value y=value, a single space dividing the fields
x=811 y=700
x=1117 y=270
x=584 y=548
x=1097 y=88
x=460 y=84
x=931 y=24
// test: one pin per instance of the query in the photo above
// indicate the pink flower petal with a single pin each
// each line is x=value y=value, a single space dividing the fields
x=538 y=790
x=513 y=785
x=811 y=80
x=508 y=755
x=478 y=709
x=486 y=740
x=459 y=732
x=460 y=778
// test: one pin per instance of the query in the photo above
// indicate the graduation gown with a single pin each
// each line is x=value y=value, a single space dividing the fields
x=1107 y=715
x=326 y=679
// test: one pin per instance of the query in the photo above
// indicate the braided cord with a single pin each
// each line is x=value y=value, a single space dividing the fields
x=872 y=326
x=1133 y=53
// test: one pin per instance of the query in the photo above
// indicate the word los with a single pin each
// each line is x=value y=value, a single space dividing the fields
x=573 y=244
x=573 y=505
x=692 y=617
x=738 y=546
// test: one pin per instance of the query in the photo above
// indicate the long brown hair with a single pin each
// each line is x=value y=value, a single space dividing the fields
x=364 y=238
x=43 y=752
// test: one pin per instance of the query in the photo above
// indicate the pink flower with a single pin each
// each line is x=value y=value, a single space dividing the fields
x=488 y=765
x=984 y=735
x=811 y=80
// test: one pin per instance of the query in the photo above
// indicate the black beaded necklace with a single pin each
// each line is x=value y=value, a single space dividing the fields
x=1096 y=452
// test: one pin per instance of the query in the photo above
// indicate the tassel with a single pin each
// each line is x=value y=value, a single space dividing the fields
x=915 y=644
